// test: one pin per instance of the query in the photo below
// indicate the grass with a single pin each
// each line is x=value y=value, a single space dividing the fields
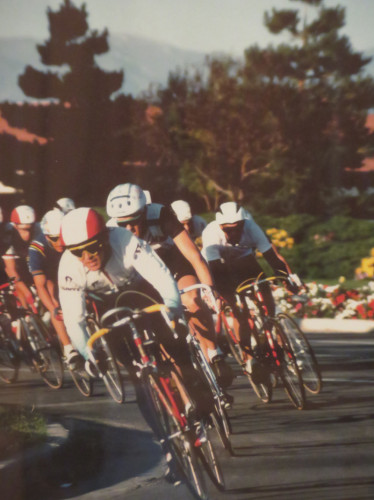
x=20 y=428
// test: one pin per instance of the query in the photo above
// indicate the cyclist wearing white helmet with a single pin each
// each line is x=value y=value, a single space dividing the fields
x=65 y=205
x=159 y=226
x=44 y=256
x=19 y=234
x=229 y=245
x=193 y=224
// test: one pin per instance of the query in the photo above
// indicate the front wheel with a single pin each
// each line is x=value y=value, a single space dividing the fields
x=9 y=360
x=107 y=365
x=305 y=357
x=287 y=368
x=46 y=354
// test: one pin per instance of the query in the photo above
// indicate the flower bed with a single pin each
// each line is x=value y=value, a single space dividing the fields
x=329 y=302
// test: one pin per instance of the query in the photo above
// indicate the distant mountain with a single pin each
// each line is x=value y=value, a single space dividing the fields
x=144 y=62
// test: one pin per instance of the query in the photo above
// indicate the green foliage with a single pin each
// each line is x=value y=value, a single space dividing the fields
x=20 y=428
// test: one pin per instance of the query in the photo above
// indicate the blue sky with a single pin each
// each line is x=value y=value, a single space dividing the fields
x=204 y=25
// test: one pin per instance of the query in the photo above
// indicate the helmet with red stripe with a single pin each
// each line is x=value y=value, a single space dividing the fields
x=81 y=225
x=51 y=222
x=23 y=214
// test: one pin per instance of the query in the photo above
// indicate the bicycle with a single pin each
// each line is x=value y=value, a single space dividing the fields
x=219 y=416
x=187 y=441
x=35 y=345
x=9 y=358
x=269 y=343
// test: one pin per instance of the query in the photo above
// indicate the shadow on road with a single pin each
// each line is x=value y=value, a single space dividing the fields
x=95 y=456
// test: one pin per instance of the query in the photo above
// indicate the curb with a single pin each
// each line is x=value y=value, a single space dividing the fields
x=331 y=325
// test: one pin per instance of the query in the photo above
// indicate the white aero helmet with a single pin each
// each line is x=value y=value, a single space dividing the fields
x=80 y=225
x=126 y=202
x=65 y=205
x=229 y=213
x=148 y=198
x=23 y=214
x=51 y=222
x=182 y=210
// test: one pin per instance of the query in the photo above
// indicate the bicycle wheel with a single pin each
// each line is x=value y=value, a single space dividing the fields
x=208 y=455
x=221 y=424
x=170 y=429
x=9 y=361
x=262 y=390
x=111 y=375
x=46 y=355
x=82 y=381
x=305 y=357
x=287 y=367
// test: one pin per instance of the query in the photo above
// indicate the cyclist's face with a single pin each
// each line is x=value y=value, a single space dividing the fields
x=25 y=231
x=136 y=226
x=233 y=232
x=93 y=262
x=55 y=242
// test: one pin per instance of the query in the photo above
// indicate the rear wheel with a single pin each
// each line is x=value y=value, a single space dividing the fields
x=82 y=381
x=304 y=354
x=46 y=354
x=107 y=365
x=209 y=457
x=288 y=369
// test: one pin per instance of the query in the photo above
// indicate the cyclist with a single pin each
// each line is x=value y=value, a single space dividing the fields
x=193 y=224
x=106 y=261
x=229 y=245
x=44 y=256
x=159 y=226
x=18 y=235
x=65 y=205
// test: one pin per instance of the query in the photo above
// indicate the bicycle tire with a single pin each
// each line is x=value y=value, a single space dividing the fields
x=112 y=377
x=177 y=442
x=222 y=431
x=47 y=358
x=288 y=370
x=304 y=353
x=9 y=361
x=263 y=391
x=83 y=382
x=209 y=458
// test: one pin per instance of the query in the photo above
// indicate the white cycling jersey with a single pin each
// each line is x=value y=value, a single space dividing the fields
x=131 y=259
x=216 y=246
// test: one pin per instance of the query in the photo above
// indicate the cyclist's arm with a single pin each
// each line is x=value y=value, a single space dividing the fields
x=277 y=262
x=41 y=284
x=24 y=293
x=190 y=251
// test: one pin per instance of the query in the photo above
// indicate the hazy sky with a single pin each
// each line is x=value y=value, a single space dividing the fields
x=204 y=25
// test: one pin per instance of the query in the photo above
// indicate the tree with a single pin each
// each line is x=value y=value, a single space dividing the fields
x=71 y=43
x=278 y=130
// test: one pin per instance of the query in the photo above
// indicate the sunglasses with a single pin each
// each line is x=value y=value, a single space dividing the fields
x=53 y=238
x=92 y=248
x=131 y=222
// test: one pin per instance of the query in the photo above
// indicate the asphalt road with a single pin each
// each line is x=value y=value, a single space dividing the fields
x=324 y=452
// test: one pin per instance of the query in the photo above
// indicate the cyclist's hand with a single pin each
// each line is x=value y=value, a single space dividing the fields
x=294 y=283
x=57 y=314
x=212 y=299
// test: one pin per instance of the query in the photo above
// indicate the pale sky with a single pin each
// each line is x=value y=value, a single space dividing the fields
x=204 y=25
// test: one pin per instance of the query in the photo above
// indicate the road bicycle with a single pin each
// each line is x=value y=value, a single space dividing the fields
x=219 y=416
x=35 y=345
x=185 y=438
x=265 y=340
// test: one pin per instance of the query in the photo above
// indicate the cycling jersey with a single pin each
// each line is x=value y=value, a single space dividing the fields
x=16 y=248
x=130 y=260
x=216 y=246
x=43 y=258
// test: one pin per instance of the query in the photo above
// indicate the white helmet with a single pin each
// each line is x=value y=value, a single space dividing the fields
x=126 y=201
x=23 y=214
x=65 y=205
x=80 y=225
x=229 y=213
x=51 y=222
x=182 y=210
x=148 y=198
